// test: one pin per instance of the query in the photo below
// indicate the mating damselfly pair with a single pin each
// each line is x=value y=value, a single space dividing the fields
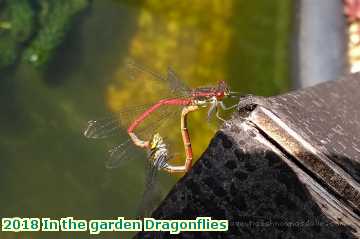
x=180 y=101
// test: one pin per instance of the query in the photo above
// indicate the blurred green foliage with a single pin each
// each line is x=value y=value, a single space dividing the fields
x=31 y=30
x=20 y=17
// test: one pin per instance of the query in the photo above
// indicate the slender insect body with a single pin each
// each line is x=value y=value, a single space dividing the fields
x=189 y=100
x=202 y=103
x=160 y=152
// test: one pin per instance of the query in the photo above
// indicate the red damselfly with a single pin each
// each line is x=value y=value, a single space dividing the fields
x=181 y=99
x=189 y=100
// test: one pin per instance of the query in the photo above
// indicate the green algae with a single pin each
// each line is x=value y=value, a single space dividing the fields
x=31 y=31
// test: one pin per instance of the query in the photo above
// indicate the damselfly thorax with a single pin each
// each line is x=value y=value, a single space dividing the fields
x=184 y=101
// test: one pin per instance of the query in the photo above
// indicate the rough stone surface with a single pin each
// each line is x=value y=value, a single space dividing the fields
x=246 y=178
x=248 y=184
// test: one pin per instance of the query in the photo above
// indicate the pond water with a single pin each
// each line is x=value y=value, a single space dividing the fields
x=49 y=169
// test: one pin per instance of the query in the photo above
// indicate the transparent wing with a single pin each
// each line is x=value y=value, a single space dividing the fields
x=109 y=126
x=152 y=195
x=176 y=85
x=172 y=81
x=101 y=128
x=151 y=190
x=112 y=125
x=120 y=153
x=127 y=149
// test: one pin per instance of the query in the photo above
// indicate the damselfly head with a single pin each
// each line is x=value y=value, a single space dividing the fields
x=159 y=154
x=222 y=90
x=156 y=141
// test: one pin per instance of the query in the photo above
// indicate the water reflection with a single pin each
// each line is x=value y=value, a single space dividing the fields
x=194 y=39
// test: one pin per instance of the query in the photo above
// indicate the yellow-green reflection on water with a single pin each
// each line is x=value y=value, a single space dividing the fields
x=194 y=38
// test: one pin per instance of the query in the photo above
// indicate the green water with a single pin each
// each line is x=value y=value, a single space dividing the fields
x=47 y=167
